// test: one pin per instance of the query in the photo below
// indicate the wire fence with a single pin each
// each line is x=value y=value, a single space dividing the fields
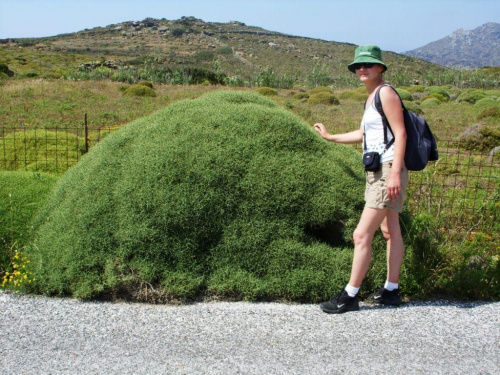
x=462 y=188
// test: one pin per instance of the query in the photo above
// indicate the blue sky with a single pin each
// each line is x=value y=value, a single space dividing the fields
x=395 y=25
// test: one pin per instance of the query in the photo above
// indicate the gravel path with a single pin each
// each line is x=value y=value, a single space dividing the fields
x=41 y=335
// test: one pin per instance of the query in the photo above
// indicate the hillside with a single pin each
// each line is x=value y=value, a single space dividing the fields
x=464 y=48
x=233 y=48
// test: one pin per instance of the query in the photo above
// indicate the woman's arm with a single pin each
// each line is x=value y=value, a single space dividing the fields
x=355 y=136
x=394 y=113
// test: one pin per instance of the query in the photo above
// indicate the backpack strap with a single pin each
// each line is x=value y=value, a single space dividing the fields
x=378 y=106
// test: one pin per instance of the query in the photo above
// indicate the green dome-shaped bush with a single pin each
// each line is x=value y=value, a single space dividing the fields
x=493 y=112
x=319 y=89
x=323 y=98
x=430 y=102
x=440 y=97
x=405 y=94
x=300 y=95
x=441 y=91
x=471 y=96
x=354 y=95
x=139 y=90
x=266 y=91
x=228 y=195
x=146 y=83
x=413 y=106
x=485 y=103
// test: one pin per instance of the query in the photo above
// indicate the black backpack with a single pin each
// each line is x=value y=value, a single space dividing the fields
x=421 y=146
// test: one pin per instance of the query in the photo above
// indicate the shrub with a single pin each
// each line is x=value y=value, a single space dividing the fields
x=323 y=98
x=476 y=268
x=5 y=69
x=139 y=90
x=354 y=95
x=145 y=83
x=423 y=258
x=485 y=103
x=493 y=112
x=430 y=102
x=226 y=50
x=441 y=91
x=438 y=96
x=266 y=91
x=177 y=32
x=204 y=56
x=413 y=106
x=22 y=193
x=484 y=139
x=493 y=93
x=471 y=96
x=228 y=195
x=319 y=89
x=42 y=150
x=404 y=94
x=197 y=75
x=300 y=95
x=416 y=88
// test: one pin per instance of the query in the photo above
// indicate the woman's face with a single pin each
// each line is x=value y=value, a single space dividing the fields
x=366 y=72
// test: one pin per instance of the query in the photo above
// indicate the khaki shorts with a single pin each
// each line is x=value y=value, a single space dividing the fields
x=376 y=189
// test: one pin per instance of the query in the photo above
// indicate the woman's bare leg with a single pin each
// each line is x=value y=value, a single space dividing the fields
x=395 y=247
x=370 y=221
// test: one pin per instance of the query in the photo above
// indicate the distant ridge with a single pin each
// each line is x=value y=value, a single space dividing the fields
x=464 y=48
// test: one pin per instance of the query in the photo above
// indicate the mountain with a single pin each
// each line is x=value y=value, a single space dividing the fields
x=464 y=48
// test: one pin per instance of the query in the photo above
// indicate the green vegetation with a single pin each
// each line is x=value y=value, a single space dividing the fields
x=41 y=150
x=439 y=252
x=266 y=91
x=486 y=102
x=205 y=56
x=430 y=102
x=319 y=89
x=451 y=225
x=485 y=140
x=323 y=97
x=255 y=211
x=146 y=83
x=493 y=112
x=405 y=95
x=22 y=193
x=139 y=90
x=471 y=96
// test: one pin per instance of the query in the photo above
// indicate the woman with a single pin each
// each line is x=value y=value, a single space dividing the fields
x=385 y=188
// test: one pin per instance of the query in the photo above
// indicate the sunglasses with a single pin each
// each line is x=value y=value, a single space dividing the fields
x=363 y=65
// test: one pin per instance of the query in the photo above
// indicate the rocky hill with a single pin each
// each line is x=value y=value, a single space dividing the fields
x=464 y=48
x=233 y=48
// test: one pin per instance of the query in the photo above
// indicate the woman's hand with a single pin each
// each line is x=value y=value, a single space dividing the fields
x=393 y=186
x=320 y=128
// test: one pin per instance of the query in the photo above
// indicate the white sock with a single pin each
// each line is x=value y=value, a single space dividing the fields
x=351 y=290
x=391 y=286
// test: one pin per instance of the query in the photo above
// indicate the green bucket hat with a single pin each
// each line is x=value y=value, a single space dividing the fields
x=367 y=54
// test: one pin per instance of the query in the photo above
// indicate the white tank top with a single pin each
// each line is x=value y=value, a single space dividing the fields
x=373 y=127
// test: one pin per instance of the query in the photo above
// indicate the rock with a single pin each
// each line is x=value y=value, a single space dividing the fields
x=494 y=151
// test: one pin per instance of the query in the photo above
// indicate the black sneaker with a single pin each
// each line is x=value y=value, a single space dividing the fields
x=385 y=297
x=340 y=303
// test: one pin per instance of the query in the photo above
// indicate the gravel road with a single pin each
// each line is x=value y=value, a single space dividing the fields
x=41 y=335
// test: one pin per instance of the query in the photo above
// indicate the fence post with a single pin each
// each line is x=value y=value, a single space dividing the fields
x=86 y=129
